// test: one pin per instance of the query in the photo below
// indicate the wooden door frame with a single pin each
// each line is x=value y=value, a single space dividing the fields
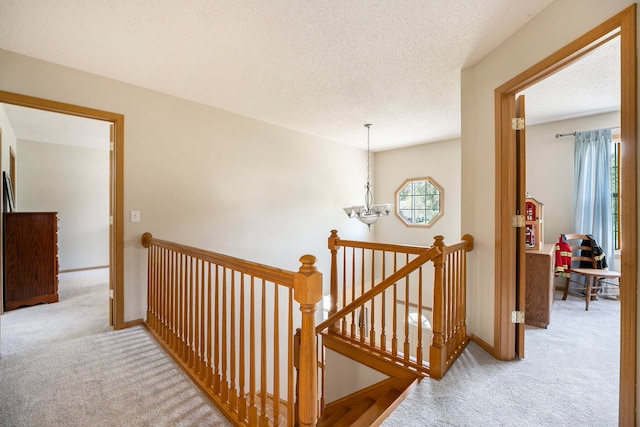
x=504 y=331
x=116 y=185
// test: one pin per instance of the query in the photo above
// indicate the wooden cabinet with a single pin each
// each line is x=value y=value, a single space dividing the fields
x=30 y=258
x=540 y=286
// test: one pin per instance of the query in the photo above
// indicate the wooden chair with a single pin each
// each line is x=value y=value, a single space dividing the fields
x=584 y=274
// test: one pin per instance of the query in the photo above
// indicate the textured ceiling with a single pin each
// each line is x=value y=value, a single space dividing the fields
x=321 y=67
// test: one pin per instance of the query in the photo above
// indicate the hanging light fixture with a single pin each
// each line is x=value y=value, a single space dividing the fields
x=368 y=213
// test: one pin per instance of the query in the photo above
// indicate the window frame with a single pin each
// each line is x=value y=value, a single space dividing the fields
x=433 y=220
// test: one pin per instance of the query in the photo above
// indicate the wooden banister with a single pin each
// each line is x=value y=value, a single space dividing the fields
x=404 y=314
x=214 y=315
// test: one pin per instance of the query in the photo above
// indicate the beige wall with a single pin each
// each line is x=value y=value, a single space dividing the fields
x=74 y=182
x=560 y=23
x=438 y=160
x=209 y=178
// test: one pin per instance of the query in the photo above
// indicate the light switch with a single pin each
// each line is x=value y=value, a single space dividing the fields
x=135 y=216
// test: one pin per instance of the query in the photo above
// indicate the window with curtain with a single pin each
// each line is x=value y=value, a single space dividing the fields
x=592 y=184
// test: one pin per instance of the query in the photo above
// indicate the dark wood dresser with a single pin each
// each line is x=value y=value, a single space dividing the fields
x=540 y=286
x=30 y=258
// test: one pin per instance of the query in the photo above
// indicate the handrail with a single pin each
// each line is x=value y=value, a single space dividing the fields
x=425 y=256
x=278 y=275
x=466 y=245
x=391 y=247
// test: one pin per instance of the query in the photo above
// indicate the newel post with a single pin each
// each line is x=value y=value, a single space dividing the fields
x=438 y=351
x=307 y=291
x=145 y=240
x=334 y=245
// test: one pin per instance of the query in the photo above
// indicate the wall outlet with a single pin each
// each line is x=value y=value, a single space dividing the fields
x=135 y=216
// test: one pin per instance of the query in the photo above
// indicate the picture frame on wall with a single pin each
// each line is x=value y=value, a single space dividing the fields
x=9 y=202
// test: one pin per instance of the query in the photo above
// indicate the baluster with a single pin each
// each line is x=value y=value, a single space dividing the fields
x=263 y=355
x=449 y=299
x=242 y=401
x=407 y=344
x=276 y=358
x=216 y=330
x=202 y=365
x=353 y=291
x=177 y=309
x=209 y=327
x=233 y=397
x=394 y=338
x=362 y=317
x=166 y=324
x=182 y=307
x=383 y=318
x=454 y=299
x=224 y=384
x=463 y=296
x=292 y=363
x=372 y=320
x=253 y=417
x=344 y=289
x=419 y=320
x=191 y=304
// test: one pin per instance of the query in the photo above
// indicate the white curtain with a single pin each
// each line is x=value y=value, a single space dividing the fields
x=592 y=182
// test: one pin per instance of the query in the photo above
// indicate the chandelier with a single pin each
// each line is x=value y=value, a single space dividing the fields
x=368 y=213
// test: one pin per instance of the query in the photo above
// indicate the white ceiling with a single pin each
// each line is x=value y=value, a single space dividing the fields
x=322 y=67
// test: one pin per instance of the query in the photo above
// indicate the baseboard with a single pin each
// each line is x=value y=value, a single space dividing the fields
x=486 y=347
x=132 y=323
x=72 y=270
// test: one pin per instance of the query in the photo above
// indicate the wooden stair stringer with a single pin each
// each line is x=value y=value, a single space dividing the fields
x=370 y=405
x=368 y=358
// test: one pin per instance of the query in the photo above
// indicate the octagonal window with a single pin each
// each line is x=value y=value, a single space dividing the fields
x=419 y=202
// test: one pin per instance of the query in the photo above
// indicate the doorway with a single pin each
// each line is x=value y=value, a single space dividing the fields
x=623 y=24
x=116 y=216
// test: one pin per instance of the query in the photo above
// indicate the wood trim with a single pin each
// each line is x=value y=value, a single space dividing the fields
x=132 y=323
x=482 y=343
x=505 y=236
x=629 y=218
x=116 y=178
x=625 y=21
x=73 y=270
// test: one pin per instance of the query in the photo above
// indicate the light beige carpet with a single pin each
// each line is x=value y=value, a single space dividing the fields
x=568 y=377
x=62 y=365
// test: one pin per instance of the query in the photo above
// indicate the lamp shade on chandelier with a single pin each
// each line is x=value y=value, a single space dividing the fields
x=368 y=213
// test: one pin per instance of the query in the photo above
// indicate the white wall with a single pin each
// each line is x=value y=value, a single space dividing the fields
x=8 y=138
x=550 y=168
x=556 y=26
x=209 y=178
x=438 y=160
x=344 y=376
x=73 y=181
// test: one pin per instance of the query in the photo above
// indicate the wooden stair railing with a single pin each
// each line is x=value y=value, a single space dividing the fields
x=382 y=299
x=214 y=314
